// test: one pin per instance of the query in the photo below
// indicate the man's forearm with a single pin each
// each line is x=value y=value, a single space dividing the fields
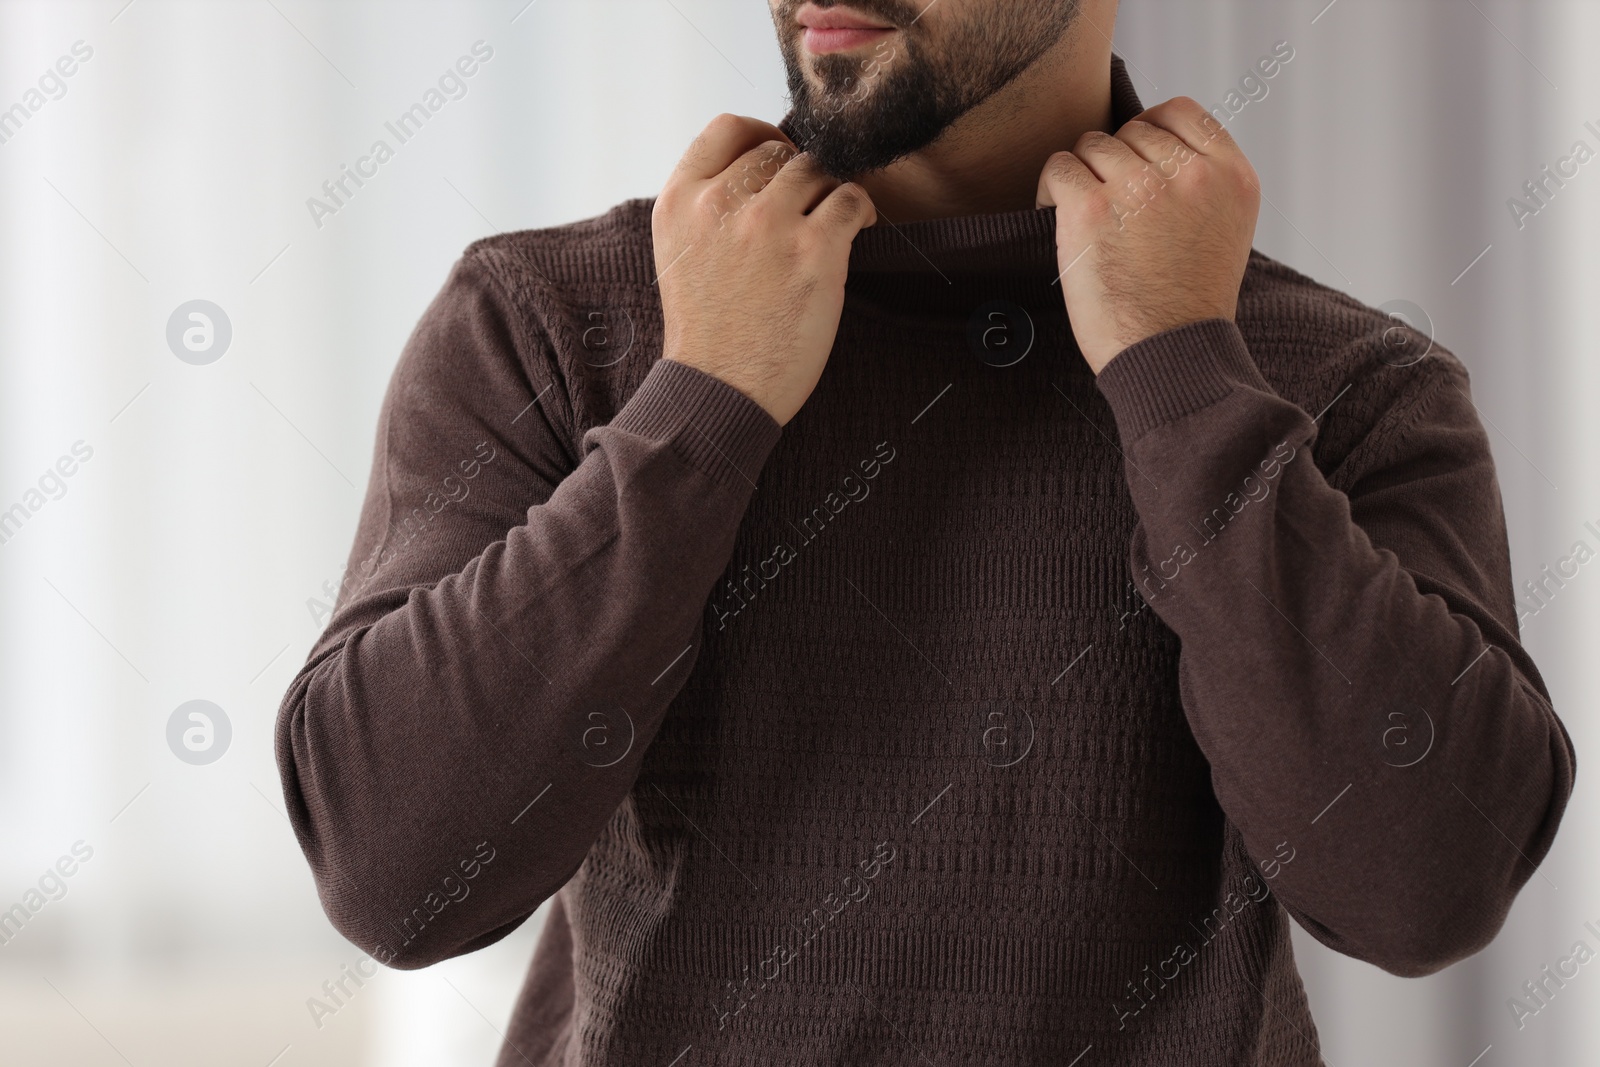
x=512 y=702
x=1303 y=640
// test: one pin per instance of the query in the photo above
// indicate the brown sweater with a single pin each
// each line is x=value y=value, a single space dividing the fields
x=986 y=714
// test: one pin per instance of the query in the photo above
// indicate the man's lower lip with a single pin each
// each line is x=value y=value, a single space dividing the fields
x=820 y=42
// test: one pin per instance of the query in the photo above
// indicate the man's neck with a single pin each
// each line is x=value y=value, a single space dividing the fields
x=990 y=159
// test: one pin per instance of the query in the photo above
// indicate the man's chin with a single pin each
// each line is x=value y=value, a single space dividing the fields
x=845 y=162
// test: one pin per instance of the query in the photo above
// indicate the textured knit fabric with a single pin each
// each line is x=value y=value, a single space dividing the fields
x=987 y=713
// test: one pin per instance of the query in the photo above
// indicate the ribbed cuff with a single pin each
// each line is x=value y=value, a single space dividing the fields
x=716 y=429
x=1175 y=373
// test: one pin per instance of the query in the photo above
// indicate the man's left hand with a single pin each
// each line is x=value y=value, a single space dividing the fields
x=1153 y=226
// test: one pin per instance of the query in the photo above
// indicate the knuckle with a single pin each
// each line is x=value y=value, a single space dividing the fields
x=845 y=207
x=1246 y=181
x=1068 y=171
x=666 y=203
x=1092 y=140
x=848 y=201
x=1093 y=209
x=1058 y=168
x=1213 y=131
x=713 y=205
x=1058 y=161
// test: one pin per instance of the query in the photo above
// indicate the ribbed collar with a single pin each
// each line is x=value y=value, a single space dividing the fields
x=1019 y=240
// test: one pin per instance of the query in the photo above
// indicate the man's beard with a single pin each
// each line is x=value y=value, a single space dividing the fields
x=871 y=111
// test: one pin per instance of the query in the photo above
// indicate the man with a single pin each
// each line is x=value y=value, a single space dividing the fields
x=923 y=590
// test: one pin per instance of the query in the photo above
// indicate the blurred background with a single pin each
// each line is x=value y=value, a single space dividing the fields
x=188 y=487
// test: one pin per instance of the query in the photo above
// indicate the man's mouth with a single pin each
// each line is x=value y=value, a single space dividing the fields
x=838 y=29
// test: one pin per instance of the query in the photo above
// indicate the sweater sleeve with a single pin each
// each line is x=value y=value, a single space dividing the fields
x=1350 y=663
x=513 y=624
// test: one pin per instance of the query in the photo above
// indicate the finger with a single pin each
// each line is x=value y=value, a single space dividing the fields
x=1064 y=175
x=1109 y=158
x=800 y=186
x=754 y=171
x=724 y=140
x=846 y=211
x=1191 y=123
x=1163 y=150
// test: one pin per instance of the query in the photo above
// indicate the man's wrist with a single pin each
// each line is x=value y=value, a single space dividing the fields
x=714 y=425
x=1176 y=372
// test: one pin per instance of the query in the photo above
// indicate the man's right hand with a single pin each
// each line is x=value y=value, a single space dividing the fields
x=752 y=245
